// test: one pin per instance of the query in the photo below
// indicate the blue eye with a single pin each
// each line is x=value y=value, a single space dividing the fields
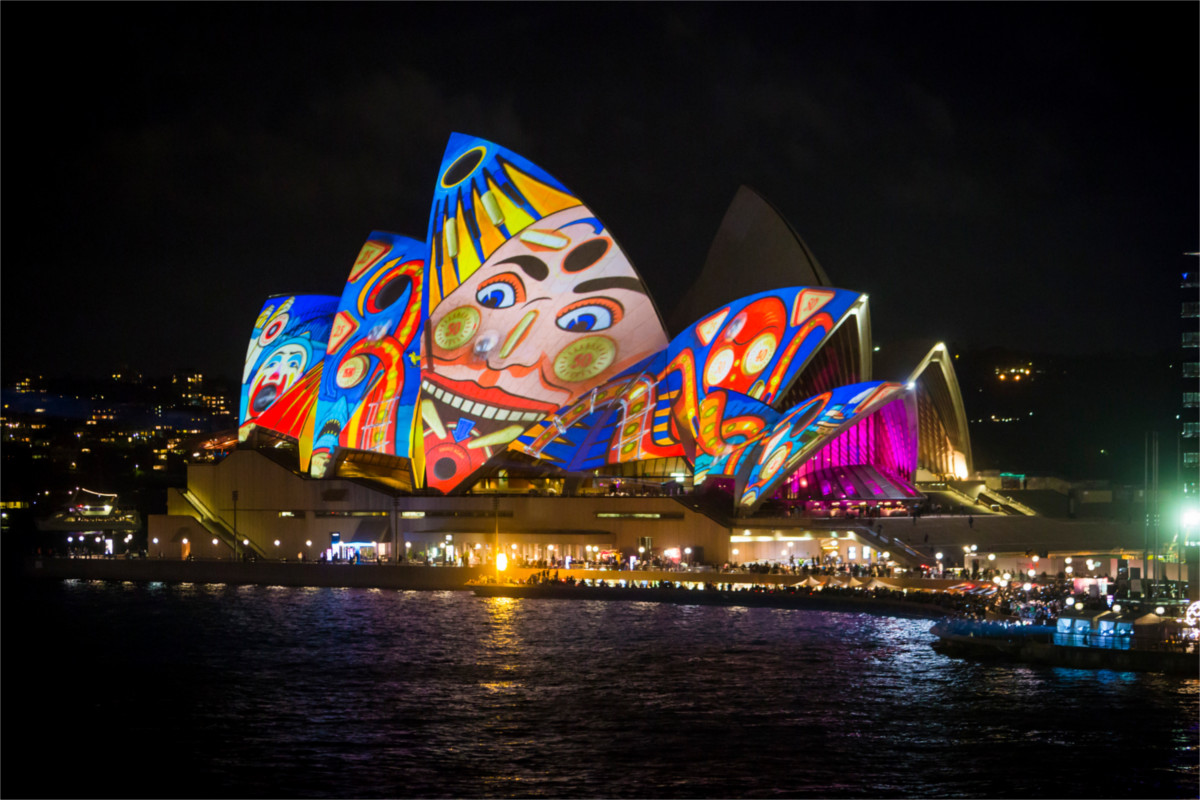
x=496 y=295
x=590 y=317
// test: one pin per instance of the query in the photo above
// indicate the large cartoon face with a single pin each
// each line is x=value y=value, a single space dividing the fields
x=283 y=367
x=555 y=310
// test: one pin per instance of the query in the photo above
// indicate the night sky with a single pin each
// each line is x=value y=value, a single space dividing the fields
x=1016 y=174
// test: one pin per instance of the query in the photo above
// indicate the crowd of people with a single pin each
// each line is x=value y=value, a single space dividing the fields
x=1038 y=605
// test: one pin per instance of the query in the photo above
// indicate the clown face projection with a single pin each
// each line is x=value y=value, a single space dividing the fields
x=555 y=310
x=279 y=372
x=283 y=364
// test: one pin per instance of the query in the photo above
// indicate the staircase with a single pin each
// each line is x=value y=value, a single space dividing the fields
x=215 y=525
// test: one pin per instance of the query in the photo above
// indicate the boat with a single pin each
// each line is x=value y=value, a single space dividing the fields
x=1077 y=641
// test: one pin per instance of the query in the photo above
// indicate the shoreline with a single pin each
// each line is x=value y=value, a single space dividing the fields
x=406 y=575
x=811 y=601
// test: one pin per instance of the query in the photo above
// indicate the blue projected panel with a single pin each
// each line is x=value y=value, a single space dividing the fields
x=283 y=364
x=371 y=380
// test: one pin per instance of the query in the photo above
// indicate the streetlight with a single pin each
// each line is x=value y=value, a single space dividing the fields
x=235 y=538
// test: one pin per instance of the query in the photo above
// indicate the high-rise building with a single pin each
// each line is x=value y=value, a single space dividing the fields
x=1190 y=418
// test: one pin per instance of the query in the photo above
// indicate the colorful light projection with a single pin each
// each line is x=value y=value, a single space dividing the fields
x=283 y=365
x=887 y=440
x=798 y=435
x=531 y=304
x=371 y=379
x=706 y=396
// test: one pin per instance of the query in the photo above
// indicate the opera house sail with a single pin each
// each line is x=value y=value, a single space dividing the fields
x=517 y=336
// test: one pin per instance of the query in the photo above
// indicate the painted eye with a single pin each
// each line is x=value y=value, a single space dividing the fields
x=593 y=314
x=590 y=317
x=499 y=293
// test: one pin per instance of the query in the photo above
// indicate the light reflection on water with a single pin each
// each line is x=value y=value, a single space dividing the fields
x=275 y=691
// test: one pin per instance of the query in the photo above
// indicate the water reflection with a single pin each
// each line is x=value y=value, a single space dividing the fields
x=269 y=691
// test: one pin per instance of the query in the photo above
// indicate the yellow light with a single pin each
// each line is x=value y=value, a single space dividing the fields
x=501 y=562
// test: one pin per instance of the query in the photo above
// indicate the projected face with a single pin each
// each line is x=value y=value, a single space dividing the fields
x=556 y=310
x=553 y=312
x=281 y=369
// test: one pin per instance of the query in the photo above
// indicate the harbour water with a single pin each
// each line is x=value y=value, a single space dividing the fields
x=147 y=689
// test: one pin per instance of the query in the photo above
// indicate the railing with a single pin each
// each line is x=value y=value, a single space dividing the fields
x=1005 y=500
x=214 y=524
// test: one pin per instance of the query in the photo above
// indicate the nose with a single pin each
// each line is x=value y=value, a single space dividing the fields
x=518 y=334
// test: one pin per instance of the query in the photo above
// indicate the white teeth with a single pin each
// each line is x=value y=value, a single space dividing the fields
x=482 y=410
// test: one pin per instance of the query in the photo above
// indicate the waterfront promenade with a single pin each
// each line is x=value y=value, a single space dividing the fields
x=393 y=576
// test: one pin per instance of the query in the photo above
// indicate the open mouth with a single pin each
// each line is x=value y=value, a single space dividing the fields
x=266 y=395
x=330 y=428
x=480 y=410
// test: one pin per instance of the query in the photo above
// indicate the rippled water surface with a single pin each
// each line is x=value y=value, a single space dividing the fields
x=139 y=690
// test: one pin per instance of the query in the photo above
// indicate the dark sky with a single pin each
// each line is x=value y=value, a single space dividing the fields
x=1012 y=174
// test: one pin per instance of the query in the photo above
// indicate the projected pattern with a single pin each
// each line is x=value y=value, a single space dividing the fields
x=371 y=379
x=706 y=396
x=531 y=305
x=283 y=365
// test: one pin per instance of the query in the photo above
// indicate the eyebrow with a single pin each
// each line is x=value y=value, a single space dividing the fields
x=597 y=225
x=599 y=284
x=533 y=266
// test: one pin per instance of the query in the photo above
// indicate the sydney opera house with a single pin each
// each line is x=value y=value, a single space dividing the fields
x=508 y=384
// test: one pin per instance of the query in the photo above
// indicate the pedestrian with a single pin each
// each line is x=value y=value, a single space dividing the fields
x=970 y=522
